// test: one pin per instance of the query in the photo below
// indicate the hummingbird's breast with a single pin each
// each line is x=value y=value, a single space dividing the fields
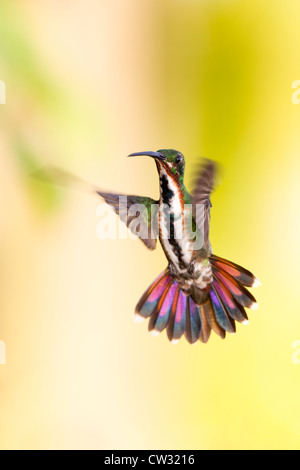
x=173 y=213
x=185 y=260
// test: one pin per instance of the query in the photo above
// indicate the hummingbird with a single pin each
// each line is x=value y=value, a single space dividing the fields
x=198 y=292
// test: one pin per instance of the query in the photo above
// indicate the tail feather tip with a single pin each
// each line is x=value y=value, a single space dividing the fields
x=256 y=282
x=137 y=318
x=154 y=332
x=174 y=341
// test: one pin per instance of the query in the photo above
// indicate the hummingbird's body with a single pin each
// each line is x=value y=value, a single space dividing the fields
x=174 y=215
x=198 y=291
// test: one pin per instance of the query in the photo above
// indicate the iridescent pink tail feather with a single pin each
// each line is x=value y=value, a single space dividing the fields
x=168 y=307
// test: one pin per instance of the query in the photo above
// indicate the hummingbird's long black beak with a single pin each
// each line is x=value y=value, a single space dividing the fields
x=157 y=155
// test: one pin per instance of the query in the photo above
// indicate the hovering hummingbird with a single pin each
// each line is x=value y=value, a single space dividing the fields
x=198 y=291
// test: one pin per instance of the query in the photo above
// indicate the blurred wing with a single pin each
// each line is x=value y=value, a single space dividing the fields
x=139 y=213
x=203 y=186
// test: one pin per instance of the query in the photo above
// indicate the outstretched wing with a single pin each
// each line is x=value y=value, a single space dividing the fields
x=139 y=213
x=204 y=184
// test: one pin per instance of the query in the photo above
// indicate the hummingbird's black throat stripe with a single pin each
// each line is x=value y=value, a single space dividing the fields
x=167 y=195
x=166 y=192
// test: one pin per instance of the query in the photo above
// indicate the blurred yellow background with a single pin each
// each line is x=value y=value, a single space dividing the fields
x=87 y=83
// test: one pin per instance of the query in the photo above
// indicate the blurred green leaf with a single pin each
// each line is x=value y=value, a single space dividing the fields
x=44 y=193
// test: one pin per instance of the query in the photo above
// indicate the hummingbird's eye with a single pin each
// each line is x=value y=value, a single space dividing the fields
x=178 y=159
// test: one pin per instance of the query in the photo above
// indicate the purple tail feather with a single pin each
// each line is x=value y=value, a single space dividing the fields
x=168 y=307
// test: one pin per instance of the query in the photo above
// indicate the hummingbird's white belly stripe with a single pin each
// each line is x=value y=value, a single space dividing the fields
x=172 y=229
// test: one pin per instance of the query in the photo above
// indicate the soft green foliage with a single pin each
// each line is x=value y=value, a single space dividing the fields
x=44 y=118
x=43 y=189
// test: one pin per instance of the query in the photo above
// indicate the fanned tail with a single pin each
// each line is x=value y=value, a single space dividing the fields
x=168 y=307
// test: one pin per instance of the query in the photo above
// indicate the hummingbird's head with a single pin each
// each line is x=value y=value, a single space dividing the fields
x=169 y=160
